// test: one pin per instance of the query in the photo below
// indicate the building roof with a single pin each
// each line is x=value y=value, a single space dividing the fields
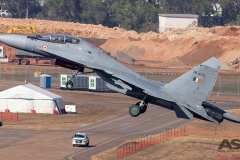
x=42 y=91
x=28 y=91
x=179 y=15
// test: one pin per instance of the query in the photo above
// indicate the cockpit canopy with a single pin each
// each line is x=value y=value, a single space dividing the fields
x=57 y=38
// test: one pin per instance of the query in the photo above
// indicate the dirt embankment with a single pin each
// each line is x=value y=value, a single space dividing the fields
x=77 y=29
x=191 y=46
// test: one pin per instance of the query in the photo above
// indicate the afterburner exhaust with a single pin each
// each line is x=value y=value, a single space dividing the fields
x=231 y=117
x=219 y=114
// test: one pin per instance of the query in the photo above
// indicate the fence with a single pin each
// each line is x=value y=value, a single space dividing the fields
x=134 y=146
x=10 y=72
x=141 y=143
x=7 y=115
x=225 y=84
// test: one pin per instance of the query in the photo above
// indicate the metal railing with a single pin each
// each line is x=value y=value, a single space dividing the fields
x=225 y=84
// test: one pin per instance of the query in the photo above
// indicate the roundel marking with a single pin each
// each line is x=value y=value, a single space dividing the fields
x=45 y=48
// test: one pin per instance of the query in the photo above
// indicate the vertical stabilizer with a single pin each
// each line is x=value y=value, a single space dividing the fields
x=195 y=85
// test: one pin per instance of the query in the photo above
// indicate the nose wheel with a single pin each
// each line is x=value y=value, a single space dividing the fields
x=69 y=83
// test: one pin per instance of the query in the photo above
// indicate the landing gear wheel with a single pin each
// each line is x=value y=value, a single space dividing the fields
x=144 y=108
x=69 y=84
x=134 y=110
x=23 y=62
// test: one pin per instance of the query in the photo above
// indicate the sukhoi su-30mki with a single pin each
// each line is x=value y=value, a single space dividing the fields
x=186 y=95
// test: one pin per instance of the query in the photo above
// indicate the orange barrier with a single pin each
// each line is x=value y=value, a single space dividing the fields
x=131 y=147
x=7 y=115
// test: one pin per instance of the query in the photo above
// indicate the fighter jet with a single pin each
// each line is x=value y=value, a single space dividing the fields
x=186 y=95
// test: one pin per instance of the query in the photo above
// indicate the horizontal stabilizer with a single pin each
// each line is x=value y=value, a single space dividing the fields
x=182 y=112
x=202 y=113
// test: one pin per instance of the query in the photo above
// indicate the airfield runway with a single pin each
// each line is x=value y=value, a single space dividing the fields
x=105 y=134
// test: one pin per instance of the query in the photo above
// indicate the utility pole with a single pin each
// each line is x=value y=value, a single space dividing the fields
x=1 y=10
x=27 y=10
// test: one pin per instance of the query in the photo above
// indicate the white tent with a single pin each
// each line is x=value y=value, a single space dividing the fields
x=25 y=98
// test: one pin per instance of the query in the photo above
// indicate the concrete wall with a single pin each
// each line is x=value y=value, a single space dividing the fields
x=175 y=23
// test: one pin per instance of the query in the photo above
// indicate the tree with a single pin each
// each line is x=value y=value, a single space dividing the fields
x=62 y=10
x=94 y=12
x=19 y=8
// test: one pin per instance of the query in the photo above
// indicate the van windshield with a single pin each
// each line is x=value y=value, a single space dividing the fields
x=79 y=136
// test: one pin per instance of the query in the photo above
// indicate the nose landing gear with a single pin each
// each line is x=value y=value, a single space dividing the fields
x=69 y=83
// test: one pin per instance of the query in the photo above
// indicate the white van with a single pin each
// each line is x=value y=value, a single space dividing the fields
x=80 y=139
x=4 y=13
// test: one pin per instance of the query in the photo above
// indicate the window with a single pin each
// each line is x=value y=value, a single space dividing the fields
x=73 y=40
x=57 y=38
x=44 y=38
x=79 y=136
x=0 y=50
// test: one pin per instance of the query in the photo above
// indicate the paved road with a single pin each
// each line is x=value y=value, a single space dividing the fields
x=27 y=144
x=124 y=127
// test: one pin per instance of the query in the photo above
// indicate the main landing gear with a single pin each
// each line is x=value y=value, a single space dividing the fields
x=138 y=108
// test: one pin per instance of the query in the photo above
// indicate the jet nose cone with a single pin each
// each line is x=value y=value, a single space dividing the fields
x=16 y=41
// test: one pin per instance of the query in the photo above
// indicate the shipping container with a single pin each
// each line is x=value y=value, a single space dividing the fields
x=85 y=82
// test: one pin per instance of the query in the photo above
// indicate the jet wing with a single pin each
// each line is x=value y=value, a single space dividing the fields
x=150 y=87
x=147 y=86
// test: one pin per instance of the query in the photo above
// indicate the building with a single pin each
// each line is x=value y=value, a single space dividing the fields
x=177 y=21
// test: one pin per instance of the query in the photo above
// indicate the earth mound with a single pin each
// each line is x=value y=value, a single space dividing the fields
x=193 y=45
